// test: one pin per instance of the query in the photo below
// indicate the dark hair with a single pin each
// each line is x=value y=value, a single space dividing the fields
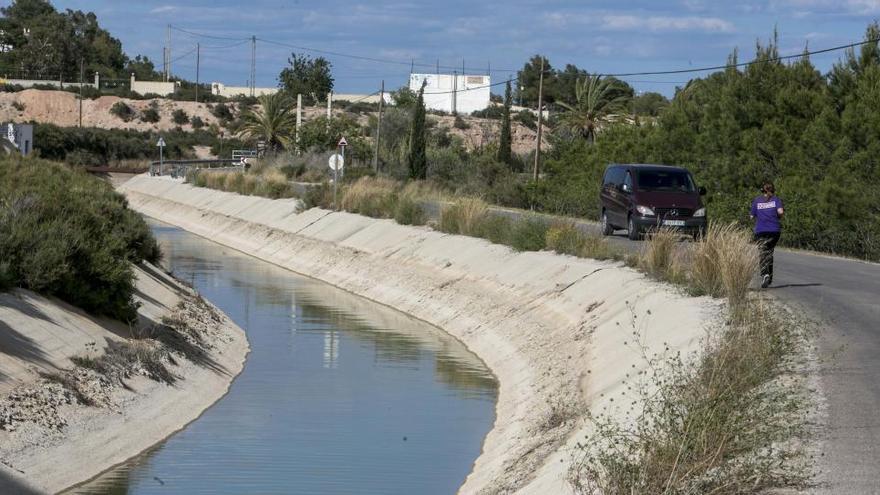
x=768 y=187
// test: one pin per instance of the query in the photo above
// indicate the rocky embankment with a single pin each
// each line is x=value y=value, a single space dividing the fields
x=80 y=394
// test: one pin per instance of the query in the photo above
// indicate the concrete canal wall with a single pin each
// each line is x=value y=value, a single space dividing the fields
x=560 y=333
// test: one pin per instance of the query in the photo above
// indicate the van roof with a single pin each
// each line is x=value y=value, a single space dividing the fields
x=647 y=166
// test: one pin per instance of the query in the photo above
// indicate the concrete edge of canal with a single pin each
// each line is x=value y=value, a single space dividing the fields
x=42 y=335
x=561 y=334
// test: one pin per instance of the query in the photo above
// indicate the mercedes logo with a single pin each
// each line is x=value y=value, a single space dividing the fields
x=673 y=213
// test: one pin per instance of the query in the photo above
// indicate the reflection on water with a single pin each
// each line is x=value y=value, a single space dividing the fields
x=339 y=394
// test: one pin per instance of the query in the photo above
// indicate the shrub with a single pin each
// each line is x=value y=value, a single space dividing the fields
x=151 y=115
x=121 y=110
x=463 y=216
x=318 y=196
x=19 y=106
x=70 y=235
x=723 y=262
x=529 y=234
x=527 y=118
x=495 y=229
x=408 y=211
x=657 y=257
x=222 y=112
x=720 y=421
x=459 y=123
x=370 y=196
x=179 y=117
x=196 y=122
x=565 y=238
x=490 y=112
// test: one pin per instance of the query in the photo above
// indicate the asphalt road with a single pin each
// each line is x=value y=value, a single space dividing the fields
x=843 y=297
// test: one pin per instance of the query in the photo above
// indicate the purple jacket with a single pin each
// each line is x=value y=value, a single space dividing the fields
x=766 y=216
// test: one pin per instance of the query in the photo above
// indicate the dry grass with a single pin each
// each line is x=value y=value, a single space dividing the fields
x=464 y=216
x=723 y=263
x=271 y=183
x=719 y=422
x=370 y=196
x=658 y=255
x=122 y=360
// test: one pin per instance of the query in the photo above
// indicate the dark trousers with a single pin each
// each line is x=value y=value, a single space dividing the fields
x=767 y=243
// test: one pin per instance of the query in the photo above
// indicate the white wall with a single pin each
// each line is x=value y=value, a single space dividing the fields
x=152 y=87
x=221 y=89
x=472 y=91
x=362 y=98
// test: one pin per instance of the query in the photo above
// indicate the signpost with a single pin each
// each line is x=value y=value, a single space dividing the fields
x=337 y=162
x=161 y=145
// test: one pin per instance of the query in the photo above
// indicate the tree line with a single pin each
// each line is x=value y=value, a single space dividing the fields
x=814 y=134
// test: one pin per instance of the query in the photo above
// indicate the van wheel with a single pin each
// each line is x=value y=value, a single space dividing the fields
x=633 y=231
x=607 y=229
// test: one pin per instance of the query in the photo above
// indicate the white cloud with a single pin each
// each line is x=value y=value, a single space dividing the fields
x=857 y=7
x=164 y=9
x=664 y=23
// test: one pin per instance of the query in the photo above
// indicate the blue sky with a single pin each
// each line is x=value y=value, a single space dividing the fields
x=600 y=36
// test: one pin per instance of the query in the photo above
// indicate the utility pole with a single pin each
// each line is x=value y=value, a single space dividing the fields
x=198 y=59
x=299 y=99
x=379 y=127
x=81 y=92
x=329 y=109
x=253 y=65
x=454 y=92
x=168 y=55
x=540 y=121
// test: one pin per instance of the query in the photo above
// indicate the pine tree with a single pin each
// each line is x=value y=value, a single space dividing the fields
x=418 y=160
x=504 y=144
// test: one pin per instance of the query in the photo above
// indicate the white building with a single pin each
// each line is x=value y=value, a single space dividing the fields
x=453 y=93
x=221 y=89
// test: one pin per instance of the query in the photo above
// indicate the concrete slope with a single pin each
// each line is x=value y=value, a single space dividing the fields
x=843 y=296
x=557 y=331
x=39 y=335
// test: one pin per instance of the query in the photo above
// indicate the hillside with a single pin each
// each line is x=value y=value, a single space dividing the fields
x=62 y=108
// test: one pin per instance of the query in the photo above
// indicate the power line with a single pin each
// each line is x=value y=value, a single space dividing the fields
x=209 y=36
x=806 y=53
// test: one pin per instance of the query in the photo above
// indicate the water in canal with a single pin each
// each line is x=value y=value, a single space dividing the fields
x=339 y=395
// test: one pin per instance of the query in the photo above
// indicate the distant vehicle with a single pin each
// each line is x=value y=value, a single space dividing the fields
x=640 y=198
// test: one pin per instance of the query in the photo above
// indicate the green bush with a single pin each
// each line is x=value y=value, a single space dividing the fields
x=150 y=115
x=196 y=122
x=179 y=117
x=67 y=234
x=529 y=234
x=495 y=229
x=122 y=110
x=93 y=146
x=565 y=239
x=408 y=211
x=222 y=112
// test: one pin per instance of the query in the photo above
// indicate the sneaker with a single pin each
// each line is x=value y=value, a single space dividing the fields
x=765 y=281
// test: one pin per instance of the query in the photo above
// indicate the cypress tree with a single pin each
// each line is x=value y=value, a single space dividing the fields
x=504 y=143
x=418 y=160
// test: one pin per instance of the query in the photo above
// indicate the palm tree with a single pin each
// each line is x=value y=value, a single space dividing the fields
x=596 y=100
x=274 y=123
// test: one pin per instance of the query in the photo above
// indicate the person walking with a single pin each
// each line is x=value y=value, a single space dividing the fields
x=767 y=211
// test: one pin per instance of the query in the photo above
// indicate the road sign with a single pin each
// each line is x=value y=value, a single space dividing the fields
x=161 y=142
x=342 y=142
x=336 y=162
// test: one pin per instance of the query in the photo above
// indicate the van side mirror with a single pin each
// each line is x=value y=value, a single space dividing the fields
x=702 y=191
x=624 y=188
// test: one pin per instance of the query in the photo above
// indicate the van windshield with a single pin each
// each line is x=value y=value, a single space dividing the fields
x=665 y=180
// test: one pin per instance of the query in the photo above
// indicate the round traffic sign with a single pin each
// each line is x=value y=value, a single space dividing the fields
x=336 y=162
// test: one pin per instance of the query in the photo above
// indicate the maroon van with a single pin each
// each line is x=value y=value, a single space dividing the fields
x=640 y=197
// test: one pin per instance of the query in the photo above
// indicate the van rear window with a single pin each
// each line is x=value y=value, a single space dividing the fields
x=663 y=180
